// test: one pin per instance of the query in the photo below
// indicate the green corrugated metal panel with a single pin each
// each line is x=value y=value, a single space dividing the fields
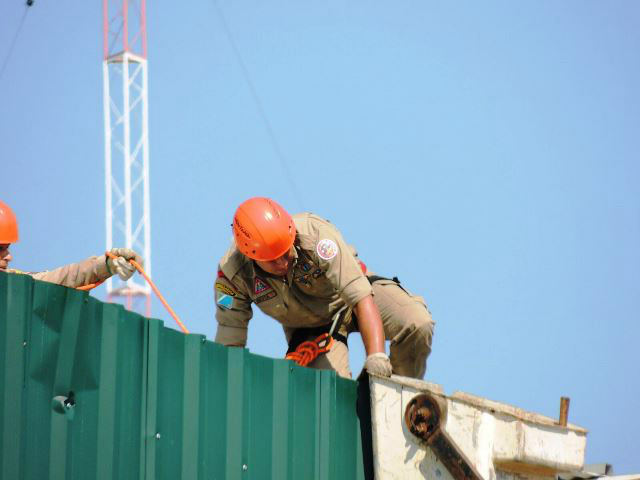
x=152 y=403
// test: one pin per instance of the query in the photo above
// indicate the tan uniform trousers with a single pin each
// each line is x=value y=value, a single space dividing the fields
x=407 y=325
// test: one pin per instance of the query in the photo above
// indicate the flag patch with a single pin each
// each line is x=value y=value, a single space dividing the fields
x=223 y=300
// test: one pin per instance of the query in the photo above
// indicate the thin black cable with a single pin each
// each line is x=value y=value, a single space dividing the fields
x=263 y=115
x=13 y=42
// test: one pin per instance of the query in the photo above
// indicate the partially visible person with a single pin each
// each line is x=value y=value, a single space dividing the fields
x=92 y=270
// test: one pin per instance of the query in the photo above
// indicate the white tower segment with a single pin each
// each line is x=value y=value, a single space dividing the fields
x=127 y=139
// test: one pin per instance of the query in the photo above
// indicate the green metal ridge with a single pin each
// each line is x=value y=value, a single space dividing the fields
x=16 y=297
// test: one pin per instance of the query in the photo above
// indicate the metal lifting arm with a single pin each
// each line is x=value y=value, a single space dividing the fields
x=424 y=418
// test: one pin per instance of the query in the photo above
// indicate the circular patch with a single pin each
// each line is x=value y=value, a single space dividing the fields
x=327 y=249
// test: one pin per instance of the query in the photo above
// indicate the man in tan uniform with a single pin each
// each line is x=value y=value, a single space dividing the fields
x=300 y=271
x=91 y=270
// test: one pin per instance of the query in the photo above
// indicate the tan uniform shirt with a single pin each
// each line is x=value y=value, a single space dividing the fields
x=91 y=270
x=325 y=276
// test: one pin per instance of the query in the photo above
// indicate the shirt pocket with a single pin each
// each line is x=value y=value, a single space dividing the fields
x=321 y=286
x=271 y=303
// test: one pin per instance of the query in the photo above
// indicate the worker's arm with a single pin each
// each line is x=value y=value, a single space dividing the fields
x=370 y=325
x=91 y=270
x=233 y=312
x=345 y=273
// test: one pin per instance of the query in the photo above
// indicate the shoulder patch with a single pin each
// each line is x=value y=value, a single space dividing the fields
x=260 y=286
x=226 y=289
x=224 y=301
x=326 y=249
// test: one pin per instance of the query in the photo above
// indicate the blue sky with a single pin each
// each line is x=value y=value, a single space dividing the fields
x=484 y=152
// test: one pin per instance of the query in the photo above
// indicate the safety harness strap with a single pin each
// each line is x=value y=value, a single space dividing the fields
x=301 y=335
x=375 y=278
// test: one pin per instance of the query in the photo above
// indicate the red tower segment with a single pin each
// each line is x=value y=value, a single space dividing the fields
x=124 y=27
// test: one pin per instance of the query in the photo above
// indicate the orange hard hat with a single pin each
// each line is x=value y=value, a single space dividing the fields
x=8 y=224
x=262 y=229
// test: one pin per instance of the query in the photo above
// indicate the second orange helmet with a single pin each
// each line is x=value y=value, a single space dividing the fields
x=8 y=224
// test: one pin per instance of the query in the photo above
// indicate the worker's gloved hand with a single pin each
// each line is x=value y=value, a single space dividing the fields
x=378 y=364
x=121 y=265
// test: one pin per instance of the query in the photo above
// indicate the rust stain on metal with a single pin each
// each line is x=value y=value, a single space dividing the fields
x=564 y=411
x=424 y=418
x=521 y=468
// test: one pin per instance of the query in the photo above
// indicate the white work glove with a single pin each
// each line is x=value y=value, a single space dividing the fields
x=121 y=265
x=378 y=364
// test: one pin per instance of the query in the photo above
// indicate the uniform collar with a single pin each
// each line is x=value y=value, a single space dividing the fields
x=294 y=262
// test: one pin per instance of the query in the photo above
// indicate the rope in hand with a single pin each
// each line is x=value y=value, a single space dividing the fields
x=151 y=284
x=308 y=351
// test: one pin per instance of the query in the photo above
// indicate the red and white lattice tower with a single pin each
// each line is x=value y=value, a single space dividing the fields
x=126 y=145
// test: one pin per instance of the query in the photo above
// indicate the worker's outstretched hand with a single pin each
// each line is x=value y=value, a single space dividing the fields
x=378 y=364
x=121 y=265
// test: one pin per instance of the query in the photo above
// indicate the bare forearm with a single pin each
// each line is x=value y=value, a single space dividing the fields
x=370 y=325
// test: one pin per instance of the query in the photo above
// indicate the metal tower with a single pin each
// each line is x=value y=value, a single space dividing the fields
x=126 y=141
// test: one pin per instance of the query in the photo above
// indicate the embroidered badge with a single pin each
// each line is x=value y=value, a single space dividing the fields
x=304 y=279
x=221 y=287
x=327 y=249
x=265 y=297
x=260 y=286
x=223 y=300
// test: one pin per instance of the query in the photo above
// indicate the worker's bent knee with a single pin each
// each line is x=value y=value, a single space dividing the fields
x=337 y=359
x=411 y=345
x=424 y=328
x=417 y=327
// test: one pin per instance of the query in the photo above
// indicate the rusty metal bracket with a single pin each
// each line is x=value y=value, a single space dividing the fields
x=425 y=417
